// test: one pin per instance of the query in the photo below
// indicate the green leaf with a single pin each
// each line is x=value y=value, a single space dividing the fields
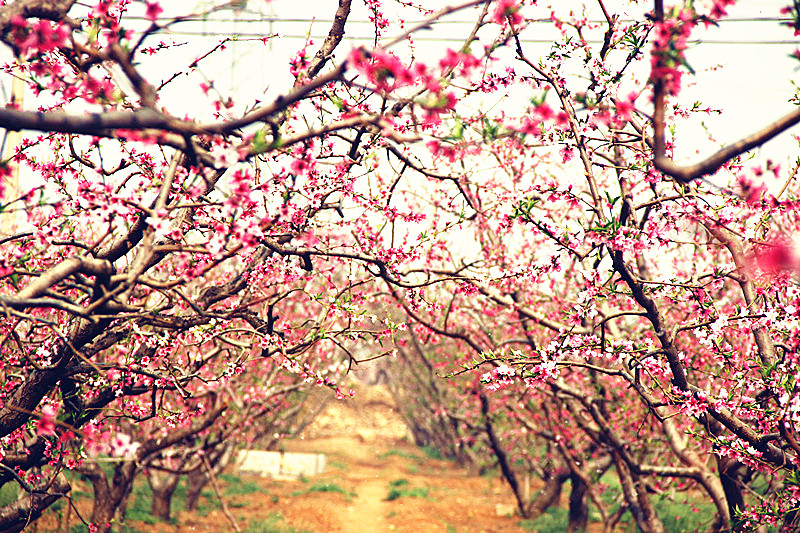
x=337 y=102
x=259 y=142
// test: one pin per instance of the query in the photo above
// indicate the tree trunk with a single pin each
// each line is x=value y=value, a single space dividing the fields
x=548 y=496
x=110 y=499
x=195 y=481
x=19 y=515
x=730 y=472
x=218 y=458
x=162 y=504
x=636 y=498
x=578 y=506
x=103 y=503
x=163 y=487
x=502 y=458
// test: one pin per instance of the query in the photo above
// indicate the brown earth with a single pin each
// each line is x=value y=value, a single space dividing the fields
x=366 y=450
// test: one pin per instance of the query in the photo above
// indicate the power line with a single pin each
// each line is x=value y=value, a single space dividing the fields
x=273 y=21
x=412 y=23
x=256 y=35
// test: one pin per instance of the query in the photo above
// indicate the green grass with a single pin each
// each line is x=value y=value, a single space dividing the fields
x=432 y=452
x=325 y=486
x=238 y=487
x=400 y=453
x=554 y=520
x=211 y=503
x=141 y=498
x=8 y=493
x=124 y=528
x=79 y=494
x=686 y=517
x=399 y=488
x=139 y=504
x=273 y=523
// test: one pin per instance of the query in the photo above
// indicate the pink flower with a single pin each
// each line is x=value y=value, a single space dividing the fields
x=225 y=155
x=153 y=11
x=626 y=107
x=47 y=421
x=383 y=69
x=544 y=111
x=718 y=10
x=781 y=256
x=530 y=126
x=453 y=59
x=42 y=37
x=123 y=446
x=751 y=191
x=507 y=10
x=562 y=120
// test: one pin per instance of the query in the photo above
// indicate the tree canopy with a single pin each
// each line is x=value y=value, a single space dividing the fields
x=505 y=221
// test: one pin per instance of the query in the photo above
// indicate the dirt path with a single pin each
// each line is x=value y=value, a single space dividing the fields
x=368 y=455
x=369 y=503
x=432 y=495
x=375 y=482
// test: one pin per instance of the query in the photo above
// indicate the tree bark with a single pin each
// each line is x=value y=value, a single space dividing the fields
x=18 y=515
x=636 y=498
x=197 y=479
x=110 y=499
x=730 y=472
x=548 y=496
x=163 y=487
x=578 y=505
x=502 y=458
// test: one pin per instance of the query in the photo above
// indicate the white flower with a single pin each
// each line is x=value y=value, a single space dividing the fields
x=122 y=446
x=504 y=372
x=225 y=156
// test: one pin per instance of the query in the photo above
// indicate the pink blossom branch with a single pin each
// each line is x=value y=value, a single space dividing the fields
x=332 y=40
x=566 y=105
x=213 y=479
x=146 y=91
x=280 y=103
x=68 y=267
x=766 y=348
x=679 y=376
x=101 y=124
x=45 y=9
x=426 y=24
x=688 y=173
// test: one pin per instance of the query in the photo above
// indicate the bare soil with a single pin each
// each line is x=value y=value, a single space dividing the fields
x=364 y=440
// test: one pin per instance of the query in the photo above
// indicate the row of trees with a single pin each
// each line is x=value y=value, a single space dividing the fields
x=597 y=308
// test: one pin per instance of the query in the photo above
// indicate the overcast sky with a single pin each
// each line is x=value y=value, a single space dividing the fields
x=752 y=87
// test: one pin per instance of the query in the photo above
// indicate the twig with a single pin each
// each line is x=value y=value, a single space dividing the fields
x=214 y=484
x=689 y=173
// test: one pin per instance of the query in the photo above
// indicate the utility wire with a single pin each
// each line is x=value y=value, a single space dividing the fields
x=256 y=35
x=411 y=23
x=272 y=22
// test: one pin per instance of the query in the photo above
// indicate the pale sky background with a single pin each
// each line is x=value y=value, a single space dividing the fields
x=753 y=87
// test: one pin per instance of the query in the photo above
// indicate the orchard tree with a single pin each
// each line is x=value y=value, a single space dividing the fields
x=605 y=308
x=623 y=300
